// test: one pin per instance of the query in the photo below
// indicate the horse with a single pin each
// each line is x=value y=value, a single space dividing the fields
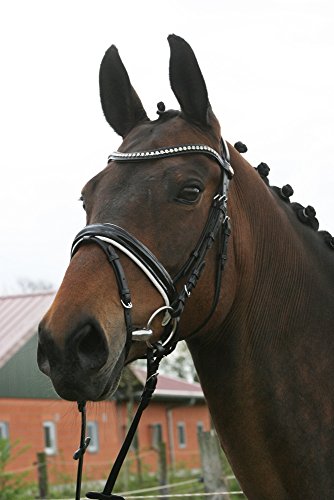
x=259 y=322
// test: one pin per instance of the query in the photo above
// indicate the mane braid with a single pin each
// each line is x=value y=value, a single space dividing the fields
x=306 y=215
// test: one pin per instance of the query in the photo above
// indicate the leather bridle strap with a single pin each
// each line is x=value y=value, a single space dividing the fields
x=134 y=249
x=153 y=361
x=122 y=284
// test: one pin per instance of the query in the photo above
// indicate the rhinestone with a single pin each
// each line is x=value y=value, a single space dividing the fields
x=188 y=147
x=176 y=150
x=184 y=148
x=147 y=153
x=151 y=153
x=201 y=147
x=197 y=147
x=171 y=150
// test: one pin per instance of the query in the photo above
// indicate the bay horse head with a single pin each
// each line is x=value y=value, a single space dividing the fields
x=133 y=266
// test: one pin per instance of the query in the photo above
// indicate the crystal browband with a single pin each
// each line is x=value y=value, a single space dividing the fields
x=174 y=151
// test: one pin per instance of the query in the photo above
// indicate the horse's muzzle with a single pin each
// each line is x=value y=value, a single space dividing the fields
x=81 y=369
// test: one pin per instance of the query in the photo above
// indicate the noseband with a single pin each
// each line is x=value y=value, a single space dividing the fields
x=109 y=236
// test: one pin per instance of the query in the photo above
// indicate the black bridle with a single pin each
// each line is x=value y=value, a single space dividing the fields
x=109 y=236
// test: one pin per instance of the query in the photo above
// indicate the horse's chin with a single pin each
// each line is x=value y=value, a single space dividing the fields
x=95 y=387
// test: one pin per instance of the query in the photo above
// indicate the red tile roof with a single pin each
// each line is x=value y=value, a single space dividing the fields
x=19 y=318
x=171 y=386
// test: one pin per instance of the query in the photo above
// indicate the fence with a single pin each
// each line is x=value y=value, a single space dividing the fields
x=216 y=476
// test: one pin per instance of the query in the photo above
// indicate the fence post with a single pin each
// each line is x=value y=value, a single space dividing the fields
x=163 y=474
x=42 y=475
x=213 y=475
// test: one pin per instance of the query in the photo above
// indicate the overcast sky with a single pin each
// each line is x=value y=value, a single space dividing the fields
x=268 y=66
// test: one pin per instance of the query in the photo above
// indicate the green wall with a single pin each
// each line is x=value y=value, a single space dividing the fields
x=21 y=378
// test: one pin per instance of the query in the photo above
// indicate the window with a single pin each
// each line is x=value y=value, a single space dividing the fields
x=156 y=435
x=181 y=434
x=4 y=433
x=50 y=446
x=93 y=433
x=200 y=427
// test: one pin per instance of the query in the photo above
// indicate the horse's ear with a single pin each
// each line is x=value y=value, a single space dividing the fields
x=187 y=81
x=120 y=102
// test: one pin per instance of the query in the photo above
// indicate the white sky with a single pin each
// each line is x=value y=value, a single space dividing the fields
x=268 y=66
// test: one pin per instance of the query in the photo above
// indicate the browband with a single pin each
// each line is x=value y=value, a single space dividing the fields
x=176 y=151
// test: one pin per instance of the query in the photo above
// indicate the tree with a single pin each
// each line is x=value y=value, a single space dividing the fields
x=27 y=285
x=180 y=363
x=12 y=485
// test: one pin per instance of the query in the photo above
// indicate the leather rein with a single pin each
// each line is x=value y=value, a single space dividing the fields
x=110 y=237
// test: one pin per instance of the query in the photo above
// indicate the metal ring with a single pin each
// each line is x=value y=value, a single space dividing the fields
x=175 y=322
x=158 y=311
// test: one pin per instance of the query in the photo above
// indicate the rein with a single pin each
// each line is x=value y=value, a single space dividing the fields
x=108 y=237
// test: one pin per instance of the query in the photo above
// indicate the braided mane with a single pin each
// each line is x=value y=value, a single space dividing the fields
x=306 y=215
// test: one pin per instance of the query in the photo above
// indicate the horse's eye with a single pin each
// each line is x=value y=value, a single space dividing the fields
x=83 y=202
x=189 y=194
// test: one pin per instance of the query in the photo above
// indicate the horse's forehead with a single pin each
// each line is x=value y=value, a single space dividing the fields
x=172 y=132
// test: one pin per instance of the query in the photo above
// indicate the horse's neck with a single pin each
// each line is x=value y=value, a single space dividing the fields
x=284 y=272
x=264 y=363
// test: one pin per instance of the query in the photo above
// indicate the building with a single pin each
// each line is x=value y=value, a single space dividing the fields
x=34 y=417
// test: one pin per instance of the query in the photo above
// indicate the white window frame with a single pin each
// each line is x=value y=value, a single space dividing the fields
x=199 y=426
x=50 y=427
x=93 y=433
x=156 y=435
x=4 y=430
x=181 y=431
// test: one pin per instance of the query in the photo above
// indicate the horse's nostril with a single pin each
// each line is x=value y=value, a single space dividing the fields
x=92 y=347
x=42 y=360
